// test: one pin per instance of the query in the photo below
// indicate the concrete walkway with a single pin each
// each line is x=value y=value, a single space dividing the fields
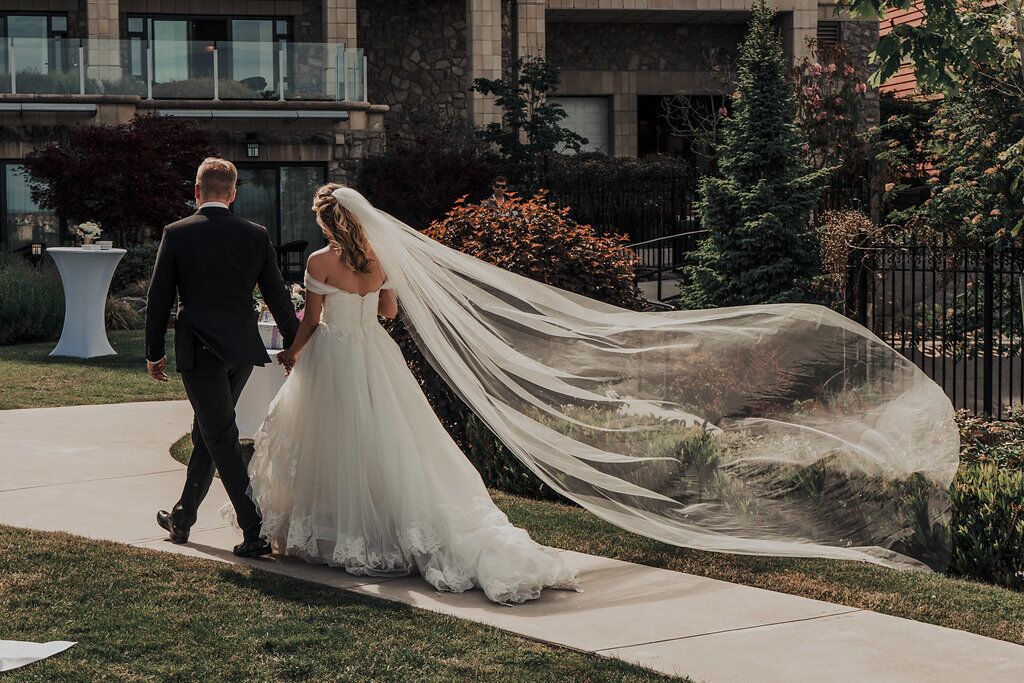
x=103 y=471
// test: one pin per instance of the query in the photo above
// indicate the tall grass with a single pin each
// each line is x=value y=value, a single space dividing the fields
x=31 y=301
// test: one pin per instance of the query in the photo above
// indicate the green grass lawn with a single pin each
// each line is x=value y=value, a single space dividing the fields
x=934 y=598
x=141 y=615
x=31 y=379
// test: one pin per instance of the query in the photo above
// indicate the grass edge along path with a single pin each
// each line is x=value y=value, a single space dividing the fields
x=141 y=614
x=938 y=599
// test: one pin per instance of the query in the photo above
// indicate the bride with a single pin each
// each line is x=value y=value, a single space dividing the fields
x=781 y=429
x=352 y=467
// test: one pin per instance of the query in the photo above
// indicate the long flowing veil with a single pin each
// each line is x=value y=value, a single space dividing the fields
x=779 y=430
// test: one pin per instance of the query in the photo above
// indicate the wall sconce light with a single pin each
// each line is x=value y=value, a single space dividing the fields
x=37 y=249
x=252 y=149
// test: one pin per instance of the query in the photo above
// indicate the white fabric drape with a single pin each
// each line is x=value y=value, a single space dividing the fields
x=783 y=430
x=17 y=653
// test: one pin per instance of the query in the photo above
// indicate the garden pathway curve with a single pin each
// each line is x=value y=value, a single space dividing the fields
x=102 y=472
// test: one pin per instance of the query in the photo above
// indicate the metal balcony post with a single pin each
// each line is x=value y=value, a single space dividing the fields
x=216 y=75
x=366 y=96
x=280 y=71
x=81 y=68
x=14 y=67
x=149 y=73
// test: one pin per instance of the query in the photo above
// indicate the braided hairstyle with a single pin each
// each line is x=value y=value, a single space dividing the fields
x=343 y=231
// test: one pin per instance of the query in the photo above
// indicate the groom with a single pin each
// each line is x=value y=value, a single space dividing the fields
x=212 y=260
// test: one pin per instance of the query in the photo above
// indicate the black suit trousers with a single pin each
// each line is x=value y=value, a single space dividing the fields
x=213 y=388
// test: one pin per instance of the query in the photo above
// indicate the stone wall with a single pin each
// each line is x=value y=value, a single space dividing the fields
x=860 y=38
x=308 y=27
x=640 y=47
x=416 y=53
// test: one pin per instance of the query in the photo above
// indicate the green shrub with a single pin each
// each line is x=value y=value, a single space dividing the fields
x=988 y=524
x=31 y=301
x=121 y=315
x=136 y=266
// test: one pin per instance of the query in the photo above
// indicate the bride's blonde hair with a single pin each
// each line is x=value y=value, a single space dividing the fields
x=343 y=231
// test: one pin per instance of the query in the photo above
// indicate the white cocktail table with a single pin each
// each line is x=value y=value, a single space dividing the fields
x=86 y=276
x=254 y=403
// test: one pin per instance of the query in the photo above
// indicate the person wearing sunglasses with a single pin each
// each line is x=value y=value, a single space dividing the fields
x=498 y=187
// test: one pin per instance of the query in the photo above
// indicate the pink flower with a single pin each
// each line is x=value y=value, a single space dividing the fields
x=806 y=148
x=816 y=69
x=831 y=68
x=861 y=88
x=848 y=70
x=722 y=111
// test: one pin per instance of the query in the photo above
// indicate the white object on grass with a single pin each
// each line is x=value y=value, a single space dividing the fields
x=18 y=653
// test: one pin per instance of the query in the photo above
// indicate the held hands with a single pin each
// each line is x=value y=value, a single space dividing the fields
x=158 y=370
x=287 y=358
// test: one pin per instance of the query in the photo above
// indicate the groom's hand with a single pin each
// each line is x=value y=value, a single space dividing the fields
x=158 y=370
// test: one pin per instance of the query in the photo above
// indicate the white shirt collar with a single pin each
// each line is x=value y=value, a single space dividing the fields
x=219 y=205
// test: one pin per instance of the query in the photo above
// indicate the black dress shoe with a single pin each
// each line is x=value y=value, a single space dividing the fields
x=254 y=548
x=179 y=536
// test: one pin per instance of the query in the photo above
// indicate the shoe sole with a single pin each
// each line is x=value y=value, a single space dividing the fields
x=256 y=553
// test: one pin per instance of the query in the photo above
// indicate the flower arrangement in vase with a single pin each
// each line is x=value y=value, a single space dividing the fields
x=87 y=231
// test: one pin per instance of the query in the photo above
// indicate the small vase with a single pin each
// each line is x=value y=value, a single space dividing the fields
x=86 y=239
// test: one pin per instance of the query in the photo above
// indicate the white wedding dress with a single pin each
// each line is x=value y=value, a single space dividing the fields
x=353 y=469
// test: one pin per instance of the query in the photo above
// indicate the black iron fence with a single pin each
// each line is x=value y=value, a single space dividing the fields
x=645 y=208
x=953 y=310
x=660 y=268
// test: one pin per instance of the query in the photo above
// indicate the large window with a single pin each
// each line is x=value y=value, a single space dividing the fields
x=280 y=199
x=182 y=49
x=23 y=221
x=40 y=42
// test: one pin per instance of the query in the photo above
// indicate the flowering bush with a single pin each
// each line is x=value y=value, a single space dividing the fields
x=977 y=146
x=830 y=92
x=535 y=238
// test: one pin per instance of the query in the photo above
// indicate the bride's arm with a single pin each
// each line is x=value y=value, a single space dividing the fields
x=387 y=304
x=310 y=320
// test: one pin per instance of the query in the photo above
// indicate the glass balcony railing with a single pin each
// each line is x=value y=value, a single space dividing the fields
x=193 y=70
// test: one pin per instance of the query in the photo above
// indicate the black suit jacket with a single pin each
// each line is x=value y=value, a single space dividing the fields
x=213 y=260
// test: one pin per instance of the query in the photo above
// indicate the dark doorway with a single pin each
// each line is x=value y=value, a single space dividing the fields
x=206 y=33
x=679 y=126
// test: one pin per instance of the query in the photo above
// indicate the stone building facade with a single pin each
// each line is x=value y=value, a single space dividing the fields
x=617 y=57
x=310 y=87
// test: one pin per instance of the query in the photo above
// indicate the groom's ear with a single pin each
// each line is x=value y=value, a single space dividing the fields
x=196 y=191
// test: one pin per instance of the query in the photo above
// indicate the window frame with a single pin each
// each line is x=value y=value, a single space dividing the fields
x=276 y=166
x=5 y=242
x=145 y=35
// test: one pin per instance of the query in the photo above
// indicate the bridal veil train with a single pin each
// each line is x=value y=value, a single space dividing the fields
x=780 y=429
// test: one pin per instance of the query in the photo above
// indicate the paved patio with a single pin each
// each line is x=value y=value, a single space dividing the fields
x=103 y=471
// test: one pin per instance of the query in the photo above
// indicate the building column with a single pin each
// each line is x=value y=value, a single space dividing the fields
x=624 y=133
x=530 y=28
x=798 y=28
x=104 y=33
x=341 y=23
x=483 y=52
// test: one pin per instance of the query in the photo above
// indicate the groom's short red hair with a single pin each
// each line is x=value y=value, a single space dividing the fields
x=216 y=177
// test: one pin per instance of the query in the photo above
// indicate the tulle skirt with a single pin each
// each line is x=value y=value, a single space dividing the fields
x=353 y=469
